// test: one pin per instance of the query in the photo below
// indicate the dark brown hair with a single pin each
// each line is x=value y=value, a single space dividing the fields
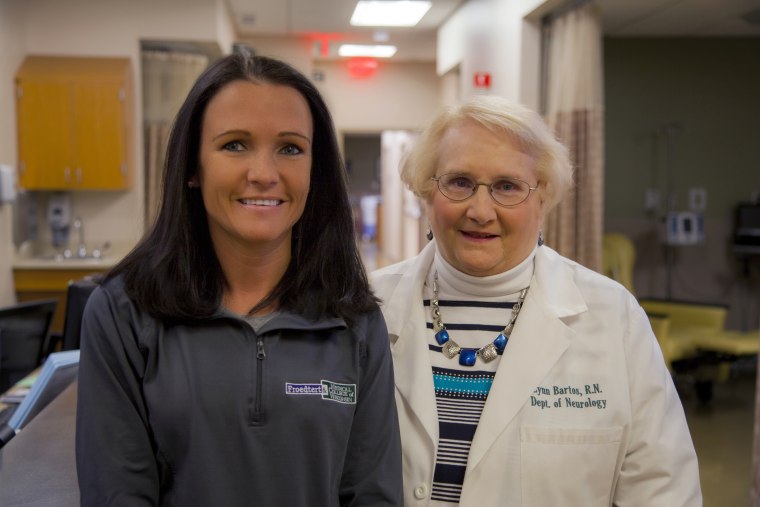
x=173 y=273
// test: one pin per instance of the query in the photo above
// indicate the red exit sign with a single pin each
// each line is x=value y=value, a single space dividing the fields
x=482 y=79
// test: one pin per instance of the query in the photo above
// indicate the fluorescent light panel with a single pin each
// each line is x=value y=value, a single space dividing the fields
x=389 y=12
x=378 y=51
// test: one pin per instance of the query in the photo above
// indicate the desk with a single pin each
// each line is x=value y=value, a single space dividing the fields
x=38 y=467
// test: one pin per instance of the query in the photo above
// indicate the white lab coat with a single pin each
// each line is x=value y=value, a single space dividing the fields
x=582 y=411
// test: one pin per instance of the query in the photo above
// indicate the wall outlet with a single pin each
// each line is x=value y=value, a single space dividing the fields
x=651 y=199
x=697 y=199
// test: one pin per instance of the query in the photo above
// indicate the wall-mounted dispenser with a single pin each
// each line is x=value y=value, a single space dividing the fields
x=58 y=216
x=685 y=228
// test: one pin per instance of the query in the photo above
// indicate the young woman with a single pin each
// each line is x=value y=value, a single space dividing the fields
x=237 y=355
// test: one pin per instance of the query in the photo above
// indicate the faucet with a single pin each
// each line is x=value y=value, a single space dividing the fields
x=79 y=228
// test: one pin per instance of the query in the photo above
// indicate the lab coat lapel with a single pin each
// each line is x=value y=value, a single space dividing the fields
x=538 y=341
x=411 y=363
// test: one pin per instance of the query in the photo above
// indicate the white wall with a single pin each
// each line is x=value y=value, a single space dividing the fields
x=499 y=37
x=297 y=52
x=401 y=95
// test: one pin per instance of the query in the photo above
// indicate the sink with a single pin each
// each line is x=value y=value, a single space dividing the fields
x=59 y=257
x=83 y=255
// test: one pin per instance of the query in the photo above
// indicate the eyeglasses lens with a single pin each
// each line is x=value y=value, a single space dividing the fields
x=505 y=191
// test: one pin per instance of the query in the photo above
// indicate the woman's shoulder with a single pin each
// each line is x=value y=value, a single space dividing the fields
x=111 y=297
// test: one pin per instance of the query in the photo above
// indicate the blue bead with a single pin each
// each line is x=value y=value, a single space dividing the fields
x=467 y=357
x=500 y=342
x=442 y=336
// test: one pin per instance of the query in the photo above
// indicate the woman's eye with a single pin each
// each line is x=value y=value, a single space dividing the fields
x=291 y=149
x=234 y=146
x=460 y=182
x=505 y=186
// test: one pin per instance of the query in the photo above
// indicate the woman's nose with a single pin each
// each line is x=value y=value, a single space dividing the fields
x=262 y=170
x=481 y=205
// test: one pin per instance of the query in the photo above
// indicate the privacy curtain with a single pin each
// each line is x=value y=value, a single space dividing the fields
x=574 y=110
x=167 y=78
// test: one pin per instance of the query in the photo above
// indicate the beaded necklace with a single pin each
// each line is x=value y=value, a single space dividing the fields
x=467 y=356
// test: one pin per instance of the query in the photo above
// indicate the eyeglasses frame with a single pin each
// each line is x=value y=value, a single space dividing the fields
x=437 y=180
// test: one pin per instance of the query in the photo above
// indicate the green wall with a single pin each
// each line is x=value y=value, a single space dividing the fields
x=709 y=88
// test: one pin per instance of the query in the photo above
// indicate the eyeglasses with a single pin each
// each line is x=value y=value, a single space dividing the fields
x=504 y=191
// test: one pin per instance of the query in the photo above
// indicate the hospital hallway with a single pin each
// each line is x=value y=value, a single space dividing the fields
x=721 y=429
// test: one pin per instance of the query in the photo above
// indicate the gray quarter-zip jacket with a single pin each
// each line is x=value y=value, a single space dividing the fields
x=211 y=413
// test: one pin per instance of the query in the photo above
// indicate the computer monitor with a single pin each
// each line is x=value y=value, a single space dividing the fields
x=58 y=372
x=24 y=330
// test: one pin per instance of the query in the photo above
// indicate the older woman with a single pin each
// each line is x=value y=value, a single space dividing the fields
x=522 y=378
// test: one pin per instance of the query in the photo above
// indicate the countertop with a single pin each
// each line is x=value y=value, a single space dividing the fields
x=22 y=259
x=106 y=262
x=38 y=466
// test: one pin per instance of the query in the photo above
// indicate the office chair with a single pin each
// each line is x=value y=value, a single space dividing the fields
x=76 y=299
x=24 y=332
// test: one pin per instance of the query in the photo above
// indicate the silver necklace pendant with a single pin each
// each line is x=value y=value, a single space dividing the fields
x=467 y=357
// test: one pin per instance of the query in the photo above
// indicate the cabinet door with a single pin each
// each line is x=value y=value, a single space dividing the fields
x=43 y=110
x=99 y=135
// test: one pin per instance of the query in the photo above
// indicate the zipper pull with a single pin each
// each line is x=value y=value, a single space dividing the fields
x=260 y=348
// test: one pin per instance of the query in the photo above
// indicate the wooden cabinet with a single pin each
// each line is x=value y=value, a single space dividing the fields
x=74 y=121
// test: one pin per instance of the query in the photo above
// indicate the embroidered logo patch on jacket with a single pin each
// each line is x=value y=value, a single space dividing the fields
x=333 y=391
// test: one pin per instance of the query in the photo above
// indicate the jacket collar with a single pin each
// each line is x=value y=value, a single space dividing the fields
x=287 y=320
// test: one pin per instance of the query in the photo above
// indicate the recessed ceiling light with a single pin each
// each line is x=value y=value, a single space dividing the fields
x=389 y=12
x=378 y=51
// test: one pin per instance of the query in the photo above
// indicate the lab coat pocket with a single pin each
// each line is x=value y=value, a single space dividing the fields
x=568 y=466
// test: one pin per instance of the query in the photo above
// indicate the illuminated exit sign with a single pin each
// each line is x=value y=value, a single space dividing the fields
x=482 y=80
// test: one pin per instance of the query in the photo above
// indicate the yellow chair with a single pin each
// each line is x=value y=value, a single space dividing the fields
x=667 y=318
x=692 y=336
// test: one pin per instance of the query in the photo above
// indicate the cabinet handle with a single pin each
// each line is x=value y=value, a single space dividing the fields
x=79 y=175
x=67 y=175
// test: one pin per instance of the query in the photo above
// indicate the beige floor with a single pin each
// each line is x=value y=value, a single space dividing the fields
x=721 y=429
x=722 y=435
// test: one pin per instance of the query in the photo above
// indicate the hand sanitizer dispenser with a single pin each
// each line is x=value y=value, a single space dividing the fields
x=58 y=215
x=7 y=184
